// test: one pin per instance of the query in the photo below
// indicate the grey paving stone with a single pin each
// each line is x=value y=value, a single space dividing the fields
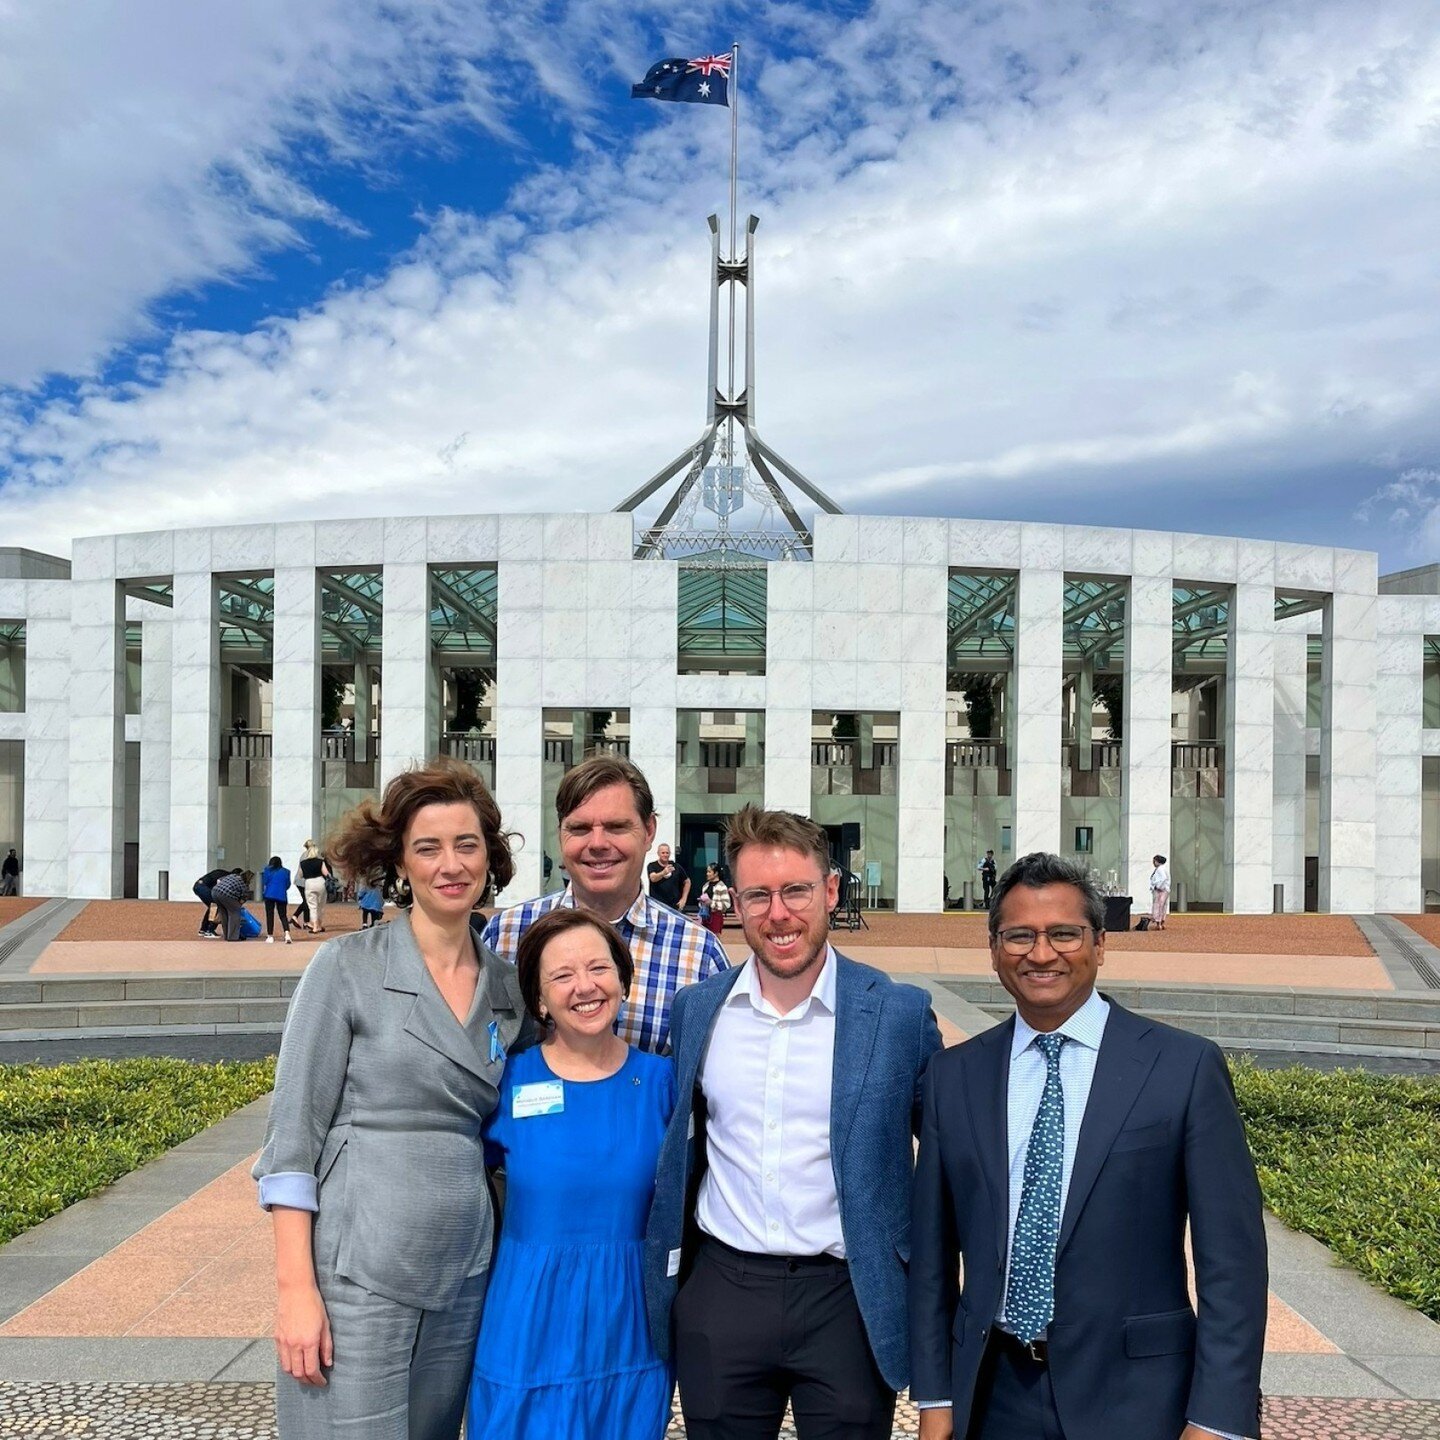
x=1415 y=1376
x=25 y=1278
x=150 y=1360
x=1330 y=1375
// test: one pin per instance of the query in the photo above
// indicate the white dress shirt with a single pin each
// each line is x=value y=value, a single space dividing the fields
x=769 y=1188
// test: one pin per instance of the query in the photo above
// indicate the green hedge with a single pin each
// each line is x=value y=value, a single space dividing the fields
x=67 y=1131
x=1354 y=1160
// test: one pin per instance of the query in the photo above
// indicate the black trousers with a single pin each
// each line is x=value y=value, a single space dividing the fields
x=273 y=908
x=753 y=1331
x=1014 y=1399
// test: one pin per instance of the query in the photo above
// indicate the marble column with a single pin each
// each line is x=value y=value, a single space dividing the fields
x=1289 y=793
x=1399 y=762
x=194 y=733
x=1149 y=667
x=518 y=717
x=1039 y=633
x=155 y=699
x=1249 y=710
x=409 y=713
x=47 y=741
x=295 y=737
x=97 y=723
x=920 y=781
x=789 y=686
x=1347 y=749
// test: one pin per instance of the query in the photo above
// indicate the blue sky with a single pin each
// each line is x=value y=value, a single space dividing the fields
x=1150 y=264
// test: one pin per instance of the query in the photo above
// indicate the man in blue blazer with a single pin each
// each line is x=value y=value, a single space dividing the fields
x=780 y=1228
x=1061 y=1156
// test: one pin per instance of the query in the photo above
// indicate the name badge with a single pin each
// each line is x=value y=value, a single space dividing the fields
x=544 y=1097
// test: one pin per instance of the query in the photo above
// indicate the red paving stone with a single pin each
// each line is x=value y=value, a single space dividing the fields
x=12 y=907
x=1192 y=934
x=167 y=920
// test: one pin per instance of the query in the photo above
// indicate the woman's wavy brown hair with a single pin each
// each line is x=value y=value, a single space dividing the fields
x=369 y=841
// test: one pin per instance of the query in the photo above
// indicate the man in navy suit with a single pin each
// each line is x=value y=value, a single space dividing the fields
x=781 y=1212
x=1061 y=1155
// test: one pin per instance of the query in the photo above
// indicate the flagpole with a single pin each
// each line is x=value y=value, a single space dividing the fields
x=734 y=88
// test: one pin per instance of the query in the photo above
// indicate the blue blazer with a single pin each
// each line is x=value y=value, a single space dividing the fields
x=1161 y=1143
x=885 y=1034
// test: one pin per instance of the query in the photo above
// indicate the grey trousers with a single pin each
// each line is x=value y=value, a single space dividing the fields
x=399 y=1373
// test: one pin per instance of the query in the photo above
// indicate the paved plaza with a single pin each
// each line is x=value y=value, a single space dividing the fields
x=145 y=1310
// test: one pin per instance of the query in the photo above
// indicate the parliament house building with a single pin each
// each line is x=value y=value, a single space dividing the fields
x=1266 y=715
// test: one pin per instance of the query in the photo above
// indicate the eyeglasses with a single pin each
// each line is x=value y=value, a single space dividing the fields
x=796 y=898
x=1064 y=939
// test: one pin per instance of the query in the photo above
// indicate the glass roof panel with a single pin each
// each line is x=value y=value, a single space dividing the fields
x=980 y=618
x=463 y=611
x=1201 y=625
x=721 y=614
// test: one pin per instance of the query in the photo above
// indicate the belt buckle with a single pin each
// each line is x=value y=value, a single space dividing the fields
x=1037 y=1350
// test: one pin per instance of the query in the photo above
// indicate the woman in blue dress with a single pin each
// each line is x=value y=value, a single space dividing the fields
x=564 y=1349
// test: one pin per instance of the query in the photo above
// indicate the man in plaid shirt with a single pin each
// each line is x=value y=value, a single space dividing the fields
x=607 y=823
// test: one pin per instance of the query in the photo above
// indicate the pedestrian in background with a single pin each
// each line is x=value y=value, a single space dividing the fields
x=372 y=905
x=10 y=874
x=230 y=892
x=314 y=872
x=274 y=890
x=203 y=887
x=1159 y=894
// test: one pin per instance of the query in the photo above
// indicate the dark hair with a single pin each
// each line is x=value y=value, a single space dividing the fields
x=598 y=773
x=543 y=931
x=274 y=863
x=750 y=825
x=369 y=841
x=1040 y=869
x=1159 y=859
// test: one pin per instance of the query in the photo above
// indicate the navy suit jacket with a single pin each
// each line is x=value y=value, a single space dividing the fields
x=885 y=1034
x=1161 y=1143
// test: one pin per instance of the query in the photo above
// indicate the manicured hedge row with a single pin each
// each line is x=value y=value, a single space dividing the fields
x=69 y=1130
x=1354 y=1160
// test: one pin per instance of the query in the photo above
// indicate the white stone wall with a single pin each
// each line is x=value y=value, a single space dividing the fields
x=863 y=628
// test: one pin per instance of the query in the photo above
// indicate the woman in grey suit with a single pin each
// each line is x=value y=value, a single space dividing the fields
x=373 y=1167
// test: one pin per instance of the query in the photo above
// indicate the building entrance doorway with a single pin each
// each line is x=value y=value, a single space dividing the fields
x=702 y=843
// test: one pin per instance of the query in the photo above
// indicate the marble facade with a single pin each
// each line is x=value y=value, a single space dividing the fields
x=581 y=624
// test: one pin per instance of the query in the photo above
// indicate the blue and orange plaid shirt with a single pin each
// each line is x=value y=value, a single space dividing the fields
x=669 y=951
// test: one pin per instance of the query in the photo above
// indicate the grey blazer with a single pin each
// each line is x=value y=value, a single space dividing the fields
x=375 y=1121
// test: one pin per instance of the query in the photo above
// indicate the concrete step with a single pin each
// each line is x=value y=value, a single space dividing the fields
x=128 y=1015
x=107 y=989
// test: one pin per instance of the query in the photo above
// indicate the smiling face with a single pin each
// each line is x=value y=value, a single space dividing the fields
x=785 y=941
x=580 y=987
x=1048 y=988
x=444 y=859
x=603 y=842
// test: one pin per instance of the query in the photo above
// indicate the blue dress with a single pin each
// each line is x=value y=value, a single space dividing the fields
x=564 y=1347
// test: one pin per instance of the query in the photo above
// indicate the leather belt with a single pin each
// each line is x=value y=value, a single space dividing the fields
x=1037 y=1351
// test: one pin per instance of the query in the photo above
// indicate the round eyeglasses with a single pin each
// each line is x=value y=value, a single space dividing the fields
x=1063 y=939
x=796 y=898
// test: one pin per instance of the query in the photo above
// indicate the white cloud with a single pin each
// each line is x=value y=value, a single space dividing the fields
x=1013 y=250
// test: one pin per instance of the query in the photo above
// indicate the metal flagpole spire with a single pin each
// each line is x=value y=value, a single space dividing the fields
x=734 y=172
x=723 y=487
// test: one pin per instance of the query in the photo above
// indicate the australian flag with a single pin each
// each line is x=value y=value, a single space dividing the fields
x=699 y=82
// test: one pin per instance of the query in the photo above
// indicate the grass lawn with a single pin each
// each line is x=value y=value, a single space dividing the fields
x=67 y=1131
x=1354 y=1160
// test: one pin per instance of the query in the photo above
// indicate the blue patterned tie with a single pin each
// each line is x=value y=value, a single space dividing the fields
x=1030 y=1296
